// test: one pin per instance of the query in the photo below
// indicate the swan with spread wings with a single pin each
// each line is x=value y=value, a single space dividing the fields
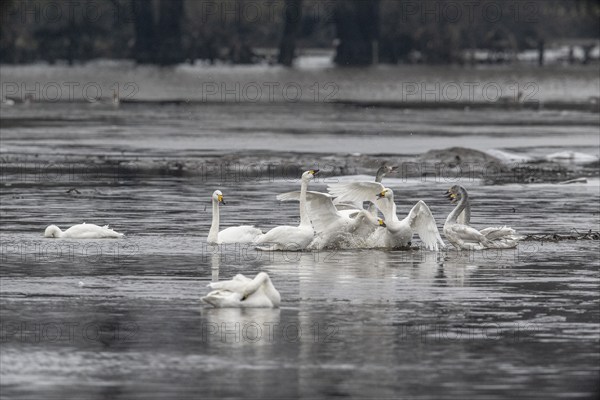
x=399 y=233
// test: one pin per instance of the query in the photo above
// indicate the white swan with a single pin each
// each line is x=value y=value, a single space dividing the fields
x=235 y=234
x=292 y=237
x=243 y=292
x=399 y=232
x=331 y=225
x=465 y=237
x=82 y=231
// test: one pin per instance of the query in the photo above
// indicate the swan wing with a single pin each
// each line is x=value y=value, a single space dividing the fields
x=422 y=222
x=497 y=232
x=345 y=206
x=356 y=192
x=501 y=237
x=289 y=196
x=286 y=238
x=91 y=231
x=237 y=284
x=323 y=214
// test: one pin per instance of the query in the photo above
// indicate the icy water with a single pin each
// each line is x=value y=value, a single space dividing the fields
x=122 y=319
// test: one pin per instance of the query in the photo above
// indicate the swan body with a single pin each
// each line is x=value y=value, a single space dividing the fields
x=243 y=292
x=291 y=237
x=235 y=234
x=464 y=237
x=398 y=232
x=82 y=231
x=331 y=225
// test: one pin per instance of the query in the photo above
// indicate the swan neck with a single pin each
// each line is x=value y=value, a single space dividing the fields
x=213 y=234
x=389 y=209
x=462 y=204
x=304 y=220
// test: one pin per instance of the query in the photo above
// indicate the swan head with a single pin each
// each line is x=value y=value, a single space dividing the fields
x=218 y=197
x=381 y=222
x=310 y=174
x=386 y=169
x=52 y=231
x=385 y=193
x=455 y=193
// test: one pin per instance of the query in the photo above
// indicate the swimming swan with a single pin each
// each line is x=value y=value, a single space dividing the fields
x=332 y=225
x=82 y=231
x=292 y=237
x=243 y=292
x=399 y=232
x=464 y=237
x=235 y=234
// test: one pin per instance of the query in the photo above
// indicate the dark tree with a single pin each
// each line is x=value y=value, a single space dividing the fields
x=170 y=34
x=145 y=49
x=292 y=19
x=357 y=24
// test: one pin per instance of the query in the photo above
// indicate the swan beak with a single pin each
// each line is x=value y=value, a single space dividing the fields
x=380 y=195
x=382 y=223
x=314 y=171
x=221 y=199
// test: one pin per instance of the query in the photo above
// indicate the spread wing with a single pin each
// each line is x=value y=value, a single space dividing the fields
x=356 y=192
x=323 y=214
x=289 y=196
x=422 y=222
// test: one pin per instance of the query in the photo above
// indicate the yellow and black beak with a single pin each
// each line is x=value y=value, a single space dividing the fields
x=314 y=171
x=382 y=223
x=381 y=195
x=451 y=196
x=221 y=199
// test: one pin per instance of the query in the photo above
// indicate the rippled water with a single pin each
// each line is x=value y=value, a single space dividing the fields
x=122 y=319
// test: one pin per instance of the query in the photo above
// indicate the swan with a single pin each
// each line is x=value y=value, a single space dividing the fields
x=235 y=234
x=243 y=292
x=332 y=225
x=82 y=231
x=292 y=237
x=465 y=237
x=399 y=233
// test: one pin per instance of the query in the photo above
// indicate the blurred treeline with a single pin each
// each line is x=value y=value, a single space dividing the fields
x=248 y=31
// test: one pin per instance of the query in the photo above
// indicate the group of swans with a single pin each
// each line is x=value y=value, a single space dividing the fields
x=326 y=220
x=338 y=218
x=321 y=223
